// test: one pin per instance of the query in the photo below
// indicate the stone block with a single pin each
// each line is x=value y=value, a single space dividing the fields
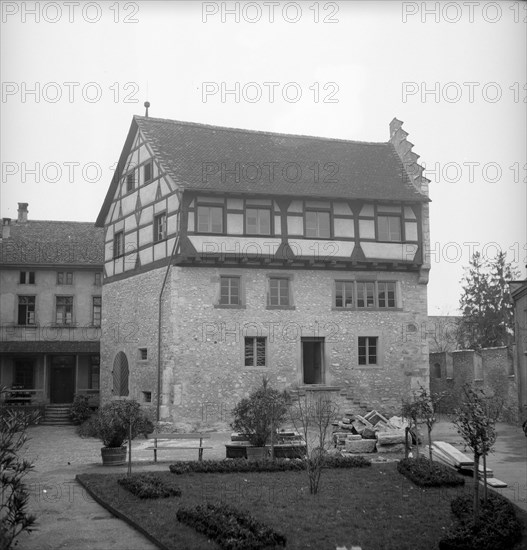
x=360 y=446
x=396 y=448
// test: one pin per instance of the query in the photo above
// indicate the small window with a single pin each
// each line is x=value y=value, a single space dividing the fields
x=27 y=278
x=96 y=311
x=210 y=219
x=389 y=228
x=98 y=279
x=368 y=350
x=279 y=292
x=365 y=294
x=230 y=291
x=344 y=293
x=143 y=354
x=436 y=372
x=317 y=224
x=118 y=244
x=147 y=171
x=254 y=352
x=258 y=221
x=160 y=227
x=26 y=310
x=64 y=311
x=65 y=278
x=130 y=182
x=147 y=397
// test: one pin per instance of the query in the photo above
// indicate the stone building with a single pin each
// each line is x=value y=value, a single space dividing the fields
x=519 y=295
x=50 y=309
x=232 y=254
x=491 y=369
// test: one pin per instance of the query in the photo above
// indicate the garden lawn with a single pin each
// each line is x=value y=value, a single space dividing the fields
x=375 y=508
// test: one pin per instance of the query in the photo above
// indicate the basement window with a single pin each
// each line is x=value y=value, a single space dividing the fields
x=147 y=397
x=143 y=354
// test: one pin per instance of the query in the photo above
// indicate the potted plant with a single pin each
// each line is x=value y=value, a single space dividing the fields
x=117 y=422
x=259 y=416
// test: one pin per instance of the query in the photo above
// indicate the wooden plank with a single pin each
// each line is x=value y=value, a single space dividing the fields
x=456 y=455
x=494 y=482
x=176 y=448
x=470 y=470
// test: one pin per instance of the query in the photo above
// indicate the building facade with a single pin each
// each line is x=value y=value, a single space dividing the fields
x=232 y=254
x=50 y=298
x=519 y=295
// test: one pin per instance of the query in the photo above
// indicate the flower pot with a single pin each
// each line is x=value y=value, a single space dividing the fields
x=113 y=456
x=257 y=453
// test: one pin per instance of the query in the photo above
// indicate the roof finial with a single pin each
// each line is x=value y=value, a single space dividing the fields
x=147 y=104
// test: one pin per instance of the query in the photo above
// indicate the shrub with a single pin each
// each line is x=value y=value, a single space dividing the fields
x=112 y=422
x=279 y=465
x=80 y=410
x=257 y=414
x=497 y=528
x=149 y=485
x=88 y=428
x=230 y=528
x=429 y=474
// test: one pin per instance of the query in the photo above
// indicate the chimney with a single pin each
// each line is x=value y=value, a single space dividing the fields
x=22 y=212
x=6 y=228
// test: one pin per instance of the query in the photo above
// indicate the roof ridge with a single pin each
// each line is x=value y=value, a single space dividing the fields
x=259 y=132
x=16 y=224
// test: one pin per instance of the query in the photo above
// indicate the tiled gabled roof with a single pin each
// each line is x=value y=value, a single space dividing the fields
x=190 y=151
x=54 y=243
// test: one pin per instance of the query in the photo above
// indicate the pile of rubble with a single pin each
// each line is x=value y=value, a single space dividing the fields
x=365 y=434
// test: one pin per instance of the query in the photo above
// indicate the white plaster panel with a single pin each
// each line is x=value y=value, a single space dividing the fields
x=295 y=225
x=367 y=229
x=344 y=227
x=390 y=251
x=321 y=249
x=235 y=224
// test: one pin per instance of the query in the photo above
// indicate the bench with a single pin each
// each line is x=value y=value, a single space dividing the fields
x=191 y=437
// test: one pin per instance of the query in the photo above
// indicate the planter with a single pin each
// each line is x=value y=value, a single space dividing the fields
x=257 y=453
x=236 y=450
x=282 y=450
x=113 y=456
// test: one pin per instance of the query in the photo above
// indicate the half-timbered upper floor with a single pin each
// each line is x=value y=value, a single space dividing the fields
x=209 y=195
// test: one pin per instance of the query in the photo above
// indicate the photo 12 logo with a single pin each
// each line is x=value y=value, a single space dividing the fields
x=69 y=12
x=269 y=12
x=470 y=12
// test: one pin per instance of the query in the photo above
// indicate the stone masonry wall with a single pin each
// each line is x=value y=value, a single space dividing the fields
x=207 y=343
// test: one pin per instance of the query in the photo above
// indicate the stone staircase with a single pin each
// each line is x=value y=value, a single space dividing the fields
x=343 y=397
x=57 y=415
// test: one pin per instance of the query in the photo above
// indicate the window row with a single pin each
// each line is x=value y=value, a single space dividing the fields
x=160 y=234
x=315 y=224
x=63 y=310
x=63 y=278
x=347 y=294
x=255 y=351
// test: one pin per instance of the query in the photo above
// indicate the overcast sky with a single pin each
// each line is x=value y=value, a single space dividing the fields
x=73 y=75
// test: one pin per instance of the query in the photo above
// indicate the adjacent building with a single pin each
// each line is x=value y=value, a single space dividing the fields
x=50 y=304
x=231 y=254
x=519 y=295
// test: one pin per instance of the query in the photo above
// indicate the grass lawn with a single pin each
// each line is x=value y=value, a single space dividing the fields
x=375 y=508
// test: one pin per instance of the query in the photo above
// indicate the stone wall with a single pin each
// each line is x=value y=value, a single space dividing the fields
x=495 y=375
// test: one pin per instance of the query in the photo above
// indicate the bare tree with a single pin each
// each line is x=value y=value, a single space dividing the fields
x=313 y=418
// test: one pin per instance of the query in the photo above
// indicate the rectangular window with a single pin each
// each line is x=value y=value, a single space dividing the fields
x=143 y=354
x=230 y=291
x=368 y=350
x=344 y=293
x=279 y=292
x=365 y=294
x=386 y=294
x=317 y=224
x=254 y=352
x=210 y=219
x=26 y=310
x=65 y=278
x=160 y=227
x=118 y=244
x=130 y=182
x=97 y=279
x=93 y=378
x=389 y=228
x=96 y=311
x=258 y=221
x=64 y=310
x=27 y=278
x=147 y=172
x=24 y=375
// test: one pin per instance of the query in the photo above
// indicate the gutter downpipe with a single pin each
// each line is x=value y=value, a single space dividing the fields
x=158 y=412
